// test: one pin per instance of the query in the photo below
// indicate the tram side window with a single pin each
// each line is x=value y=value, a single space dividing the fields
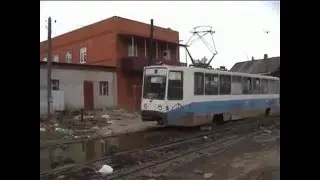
x=198 y=83
x=272 y=87
x=236 y=85
x=225 y=84
x=278 y=86
x=256 y=86
x=211 y=84
x=247 y=85
x=264 y=86
x=175 y=85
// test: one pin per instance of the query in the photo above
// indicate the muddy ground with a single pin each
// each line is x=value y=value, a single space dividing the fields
x=256 y=158
x=105 y=122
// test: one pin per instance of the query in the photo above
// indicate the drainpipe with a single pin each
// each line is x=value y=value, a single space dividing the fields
x=156 y=50
x=132 y=46
x=150 y=43
x=145 y=49
x=168 y=53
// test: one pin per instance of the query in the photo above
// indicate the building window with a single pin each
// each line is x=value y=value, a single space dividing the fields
x=198 y=83
x=211 y=84
x=103 y=88
x=83 y=55
x=132 y=50
x=45 y=59
x=55 y=84
x=56 y=58
x=166 y=55
x=225 y=85
x=68 y=57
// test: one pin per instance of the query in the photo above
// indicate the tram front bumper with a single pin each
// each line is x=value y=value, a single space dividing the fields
x=160 y=117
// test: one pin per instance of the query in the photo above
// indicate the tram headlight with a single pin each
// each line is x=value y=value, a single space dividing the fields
x=160 y=107
x=145 y=106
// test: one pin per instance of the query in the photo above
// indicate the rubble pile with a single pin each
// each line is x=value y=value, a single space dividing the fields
x=85 y=124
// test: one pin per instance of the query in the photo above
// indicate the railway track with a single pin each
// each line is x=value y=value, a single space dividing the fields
x=219 y=147
x=66 y=142
x=108 y=158
x=161 y=147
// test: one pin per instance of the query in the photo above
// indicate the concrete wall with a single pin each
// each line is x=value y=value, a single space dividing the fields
x=71 y=83
x=57 y=101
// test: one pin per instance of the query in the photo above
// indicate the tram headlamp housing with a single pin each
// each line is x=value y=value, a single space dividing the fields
x=145 y=106
x=160 y=107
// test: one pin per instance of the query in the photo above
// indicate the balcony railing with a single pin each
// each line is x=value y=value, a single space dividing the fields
x=138 y=63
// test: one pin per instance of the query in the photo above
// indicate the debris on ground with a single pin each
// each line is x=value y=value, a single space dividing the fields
x=61 y=177
x=197 y=171
x=265 y=130
x=103 y=122
x=105 y=170
x=105 y=116
x=66 y=131
x=205 y=128
x=88 y=117
x=151 y=175
x=208 y=175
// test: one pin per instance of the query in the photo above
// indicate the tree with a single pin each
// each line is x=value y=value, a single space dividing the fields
x=204 y=60
x=222 y=68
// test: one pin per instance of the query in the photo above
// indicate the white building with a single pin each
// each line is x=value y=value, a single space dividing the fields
x=77 y=86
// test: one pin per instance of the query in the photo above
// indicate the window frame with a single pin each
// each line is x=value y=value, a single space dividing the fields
x=55 y=58
x=182 y=79
x=55 y=84
x=83 y=55
x=68 y=57
x=103 y=88
x=133 y=50
x=229 y=84
x=245 y=85
x=195 y=88
x=211 y=79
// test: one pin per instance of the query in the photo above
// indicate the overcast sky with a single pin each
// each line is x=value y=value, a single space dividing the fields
x=239 y=25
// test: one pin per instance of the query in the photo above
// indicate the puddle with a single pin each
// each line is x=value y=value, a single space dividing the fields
x=89 y=150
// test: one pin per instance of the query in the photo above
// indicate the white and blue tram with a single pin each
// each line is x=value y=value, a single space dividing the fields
x=184 y=96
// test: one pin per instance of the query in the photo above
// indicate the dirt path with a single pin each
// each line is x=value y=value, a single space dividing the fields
x=255 y=158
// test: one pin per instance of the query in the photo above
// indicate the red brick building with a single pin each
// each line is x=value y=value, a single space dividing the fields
x=119 y=43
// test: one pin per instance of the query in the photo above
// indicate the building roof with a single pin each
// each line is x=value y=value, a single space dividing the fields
x=109 y=25
x=260 y=66
x=60 y=65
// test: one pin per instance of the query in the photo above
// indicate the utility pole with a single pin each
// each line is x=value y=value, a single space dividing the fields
x=49 y=69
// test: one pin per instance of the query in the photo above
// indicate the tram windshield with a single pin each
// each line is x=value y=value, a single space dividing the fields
x=154 y=85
